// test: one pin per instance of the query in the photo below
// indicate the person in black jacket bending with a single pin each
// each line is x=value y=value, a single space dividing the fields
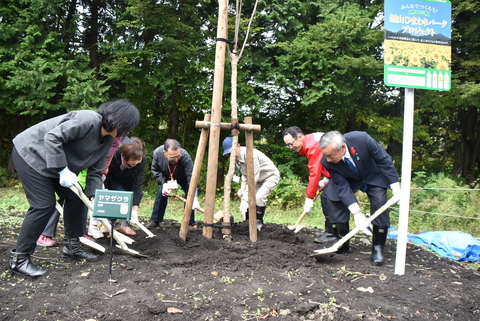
x=357 y=162
x=172 y=166
x=125 y=173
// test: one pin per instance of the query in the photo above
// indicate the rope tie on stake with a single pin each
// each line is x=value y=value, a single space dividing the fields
x=227 y=41
x=217 y=225
x=235 y=127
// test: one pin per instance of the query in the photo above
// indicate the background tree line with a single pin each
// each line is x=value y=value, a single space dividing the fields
x=314 y=64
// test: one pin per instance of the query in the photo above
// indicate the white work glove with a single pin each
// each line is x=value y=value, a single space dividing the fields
x=243 y=206
x=134 y=217
x=396 y=190
x=240 y=193
x=307 y=207
x=323 y=183
x=67 y=178
x=195 y=204
x=360 y=222
x=166 y=190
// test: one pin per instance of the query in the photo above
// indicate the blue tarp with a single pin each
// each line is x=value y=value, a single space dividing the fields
x=455 y=245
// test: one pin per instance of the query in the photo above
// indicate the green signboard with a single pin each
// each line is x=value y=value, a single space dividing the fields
x=112 y=204
x=417 y=47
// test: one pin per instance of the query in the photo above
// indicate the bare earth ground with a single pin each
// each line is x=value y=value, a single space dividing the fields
x=211 y=279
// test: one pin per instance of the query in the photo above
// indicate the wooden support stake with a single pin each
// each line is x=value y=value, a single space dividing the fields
x=217 y=97
x=197 y=167
x=227 y=188
x=252 y=203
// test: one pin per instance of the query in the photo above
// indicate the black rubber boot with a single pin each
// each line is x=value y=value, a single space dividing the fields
x=340 y=230
x=326 y=236
x=260 y=214
x=72 y=250
x=328 y=226
x=378 y=244
x=20 y=264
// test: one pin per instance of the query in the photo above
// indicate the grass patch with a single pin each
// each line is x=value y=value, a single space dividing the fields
x=453 y=207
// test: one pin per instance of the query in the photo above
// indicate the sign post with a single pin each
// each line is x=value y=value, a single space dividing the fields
x=112 y=205
x=417 y=54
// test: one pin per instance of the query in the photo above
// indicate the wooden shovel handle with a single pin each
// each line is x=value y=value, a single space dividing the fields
x=344 y=239
x=304 y=213
x=184 y=200
x=300 y=218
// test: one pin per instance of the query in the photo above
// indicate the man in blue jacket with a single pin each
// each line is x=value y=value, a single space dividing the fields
x=357 y=162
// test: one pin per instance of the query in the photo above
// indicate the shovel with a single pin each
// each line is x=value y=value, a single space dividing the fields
x=216 y=217
x=339 y=243
x=184 y=200
x=82 y=239
x=119 y=237
x=146 y=230
x=297 y=227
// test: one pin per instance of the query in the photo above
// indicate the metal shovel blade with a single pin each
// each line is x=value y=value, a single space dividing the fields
x=297 y=227
x=130 y=251
x=330 y=250
x=339 y=243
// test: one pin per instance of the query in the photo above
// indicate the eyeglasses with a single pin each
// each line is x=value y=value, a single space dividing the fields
x=174 y=157
x=290 y=145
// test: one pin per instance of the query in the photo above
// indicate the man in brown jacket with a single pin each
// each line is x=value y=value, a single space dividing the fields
x=266 y=177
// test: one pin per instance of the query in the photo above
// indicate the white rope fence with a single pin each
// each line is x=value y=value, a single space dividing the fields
x=416 y=211
x=442 y=214
x=452 y=189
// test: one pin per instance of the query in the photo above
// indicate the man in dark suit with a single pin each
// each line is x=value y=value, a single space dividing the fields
x=370 y=170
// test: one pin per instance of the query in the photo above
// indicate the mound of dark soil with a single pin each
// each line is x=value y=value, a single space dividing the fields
x=212 y=279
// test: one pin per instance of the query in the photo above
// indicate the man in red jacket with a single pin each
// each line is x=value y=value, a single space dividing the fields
x=308 y=145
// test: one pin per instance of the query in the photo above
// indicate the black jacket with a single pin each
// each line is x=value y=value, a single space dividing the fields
x=131 y=179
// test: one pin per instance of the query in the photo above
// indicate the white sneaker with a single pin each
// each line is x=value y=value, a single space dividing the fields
x=94 y=232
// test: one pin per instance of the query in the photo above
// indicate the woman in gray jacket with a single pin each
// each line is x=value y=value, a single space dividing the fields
x=47 y=158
